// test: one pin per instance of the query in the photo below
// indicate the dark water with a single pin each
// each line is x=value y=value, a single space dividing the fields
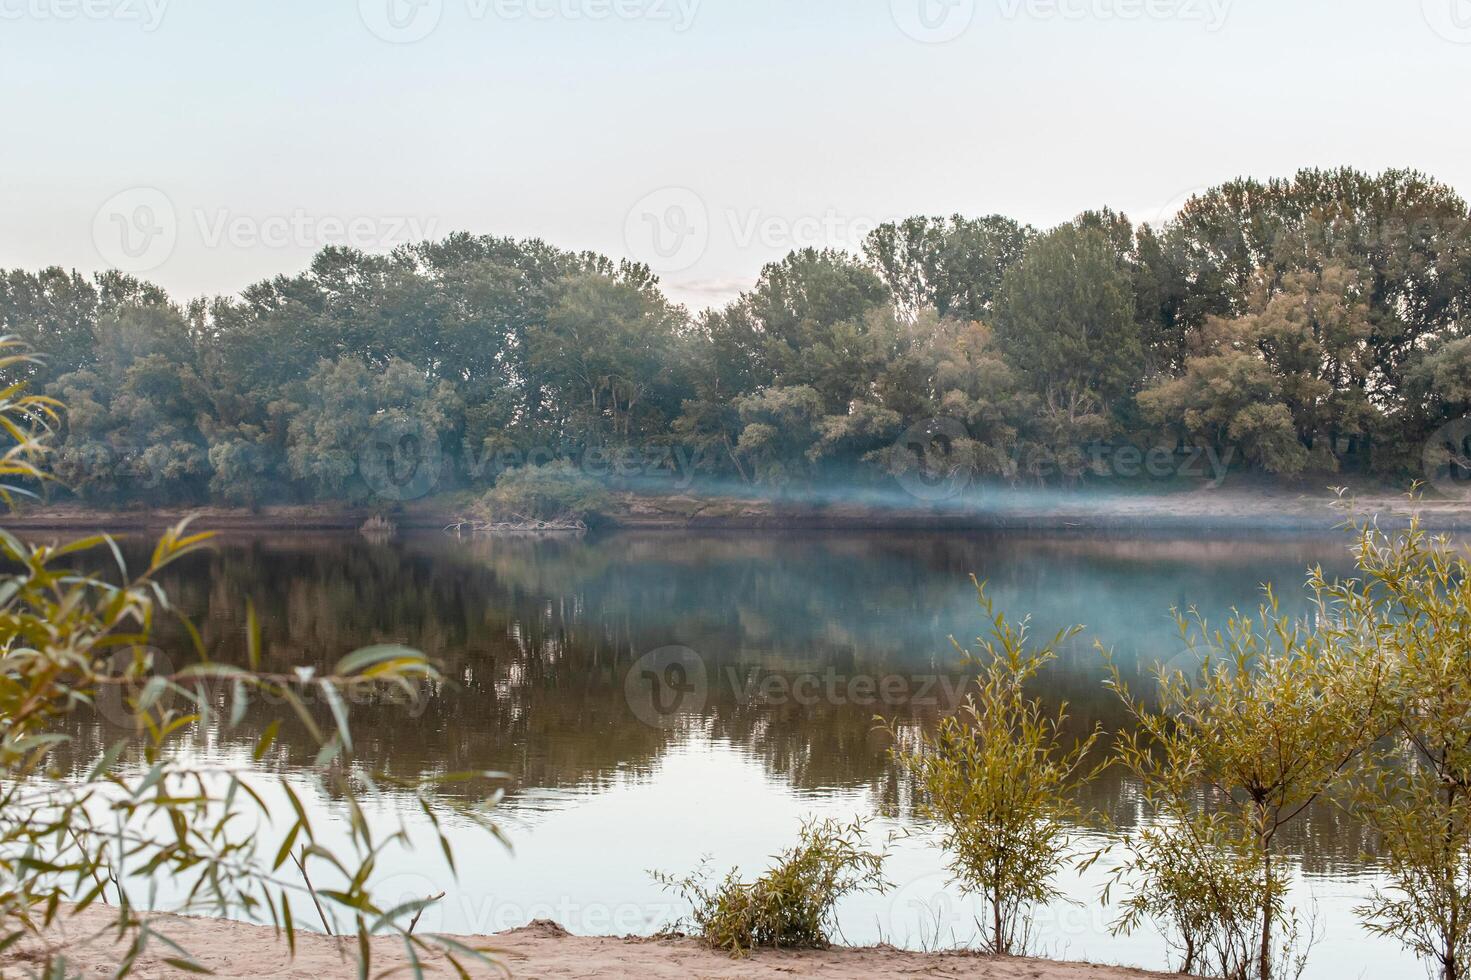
x=627 y=756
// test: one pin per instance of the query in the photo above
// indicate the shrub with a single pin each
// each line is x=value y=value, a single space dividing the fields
x=997 y=776
x=791 y=905
x=554 y=492
x=1203 y=885
x=1227 y=758
x=1417 y=593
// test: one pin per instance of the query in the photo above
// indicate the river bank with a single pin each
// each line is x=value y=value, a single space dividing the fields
x=542 y=949
x=1217 y=508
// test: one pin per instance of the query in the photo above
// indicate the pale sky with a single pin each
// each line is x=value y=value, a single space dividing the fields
x=206 y=144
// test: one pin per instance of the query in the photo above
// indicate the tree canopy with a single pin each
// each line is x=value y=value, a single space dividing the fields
x=1315 y=324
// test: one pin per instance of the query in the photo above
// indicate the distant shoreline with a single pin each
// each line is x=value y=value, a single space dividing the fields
x=1225 y=509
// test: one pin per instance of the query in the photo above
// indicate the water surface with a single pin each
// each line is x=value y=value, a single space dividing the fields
x=626 y=755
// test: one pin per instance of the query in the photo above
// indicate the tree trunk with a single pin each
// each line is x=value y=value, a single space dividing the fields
x=1266 y=950
x=996 y=921
x=735 y=458
x=1451 y=971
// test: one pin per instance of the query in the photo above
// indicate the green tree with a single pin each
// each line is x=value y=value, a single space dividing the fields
x=1287 y=381
x=781 y=427
x=347 y=409
x=1437 y=390
x=1415 y=594
x=816 y=319
x=946 y=371
x=51 y=310
x=1407 y=234
x=1066 y=318
x=602 y=355
x=951 y=265
x=132 y=431
x=1000 y=780
x=1229 y=754
x=819 y=330
x=1228 y=401
x=1162 y=292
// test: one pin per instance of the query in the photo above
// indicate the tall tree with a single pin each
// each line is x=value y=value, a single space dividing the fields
x=953 y=265
x=1066 y=317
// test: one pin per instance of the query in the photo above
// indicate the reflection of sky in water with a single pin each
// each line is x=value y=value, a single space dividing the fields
x=539 y=635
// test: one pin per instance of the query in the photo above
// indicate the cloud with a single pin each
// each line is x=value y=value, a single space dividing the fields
x=703 y=293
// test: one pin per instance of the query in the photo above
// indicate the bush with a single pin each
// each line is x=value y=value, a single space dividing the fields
x=1416 y=592
x=791 y=905
x=998 y=778
x=1203 y=885
x=554 y=492
x=1228 y=756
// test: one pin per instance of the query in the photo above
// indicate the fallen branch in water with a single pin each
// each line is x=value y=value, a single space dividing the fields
x=520 y=525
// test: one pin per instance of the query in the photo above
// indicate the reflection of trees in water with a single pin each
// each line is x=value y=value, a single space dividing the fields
x=537 y=635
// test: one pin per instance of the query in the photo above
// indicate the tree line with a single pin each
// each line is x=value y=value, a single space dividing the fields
x=1317 y=324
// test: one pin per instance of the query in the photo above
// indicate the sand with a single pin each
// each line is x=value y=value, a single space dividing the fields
x=542 y=949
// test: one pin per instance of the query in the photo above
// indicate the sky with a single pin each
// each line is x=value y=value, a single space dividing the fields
x=208 y=144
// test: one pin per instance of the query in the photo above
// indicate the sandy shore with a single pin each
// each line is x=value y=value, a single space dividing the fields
x=543 y=949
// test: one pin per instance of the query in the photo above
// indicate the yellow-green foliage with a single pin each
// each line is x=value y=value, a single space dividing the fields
x=1000 y=780
x=791 y=905
x=1416 y=595
x=1228 y=756
x=144 y=811
x=24 y=418
x=1202 y=883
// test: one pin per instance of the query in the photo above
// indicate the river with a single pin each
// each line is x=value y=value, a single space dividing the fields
x=657 y=698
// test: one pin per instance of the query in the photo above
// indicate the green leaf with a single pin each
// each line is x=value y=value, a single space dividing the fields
x=360 y=660
x=267 y=738
x=252 y=636
x=188 y=966
x=284 y=851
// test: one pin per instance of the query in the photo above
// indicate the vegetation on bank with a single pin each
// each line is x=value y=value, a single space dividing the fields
x=1351 y=706
x=557 y=493
x=107 y=832
x=792 y=904
x=1362 y=705
x=996 y=777
x=1309 y=325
